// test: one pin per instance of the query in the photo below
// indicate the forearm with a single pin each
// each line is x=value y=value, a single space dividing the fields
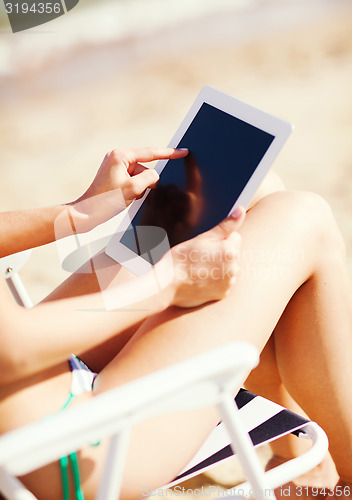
x=23 y=229
x=47 y=334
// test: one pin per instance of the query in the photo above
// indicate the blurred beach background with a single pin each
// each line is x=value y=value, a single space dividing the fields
x=123 y=73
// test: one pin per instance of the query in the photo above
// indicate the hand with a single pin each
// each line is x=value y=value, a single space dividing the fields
x=205 y=267
x=119 y=181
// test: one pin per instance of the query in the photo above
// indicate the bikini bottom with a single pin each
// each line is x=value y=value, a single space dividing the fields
x=82 y=381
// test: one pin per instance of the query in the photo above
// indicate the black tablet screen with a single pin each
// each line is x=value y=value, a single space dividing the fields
x=195 y=193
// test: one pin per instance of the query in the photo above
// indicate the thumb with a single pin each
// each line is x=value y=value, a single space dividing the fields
x=231 y=224
x=145 y=179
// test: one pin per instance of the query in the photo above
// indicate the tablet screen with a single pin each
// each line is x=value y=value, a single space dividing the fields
x=195 y=193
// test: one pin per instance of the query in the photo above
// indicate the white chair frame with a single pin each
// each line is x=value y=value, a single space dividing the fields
x=9 y=268
x=207 y=379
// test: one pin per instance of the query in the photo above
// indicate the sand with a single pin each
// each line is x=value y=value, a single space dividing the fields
x=58 y=120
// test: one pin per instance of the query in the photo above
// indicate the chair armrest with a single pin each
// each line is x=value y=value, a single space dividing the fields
x=193 y=383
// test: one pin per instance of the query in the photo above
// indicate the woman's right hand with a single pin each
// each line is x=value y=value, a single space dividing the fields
x=206 y=266
x=120 y=179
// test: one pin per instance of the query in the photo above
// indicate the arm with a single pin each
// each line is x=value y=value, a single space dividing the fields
x=33 y=340
x=119 y=180
x=23 y=229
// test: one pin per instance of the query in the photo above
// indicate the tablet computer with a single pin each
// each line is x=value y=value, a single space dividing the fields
x=231 y=148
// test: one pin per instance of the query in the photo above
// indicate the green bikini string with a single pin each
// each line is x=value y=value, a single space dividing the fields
x=64 y=478
x=76 y=477
x=64 y=463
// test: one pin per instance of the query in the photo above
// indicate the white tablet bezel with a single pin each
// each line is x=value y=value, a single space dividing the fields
x=280 y=129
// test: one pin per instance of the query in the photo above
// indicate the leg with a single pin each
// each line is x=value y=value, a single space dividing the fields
x=310 y=242
x=309 y=311
x=328 y=319
x=279 y=225
x=265 y=380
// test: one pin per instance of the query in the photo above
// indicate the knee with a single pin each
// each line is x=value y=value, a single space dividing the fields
x=319 y=222
x=272 y=183
x=313 y=205
x=310 y=216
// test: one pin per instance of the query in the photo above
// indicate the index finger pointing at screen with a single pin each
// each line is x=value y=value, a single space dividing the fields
x=151 y=154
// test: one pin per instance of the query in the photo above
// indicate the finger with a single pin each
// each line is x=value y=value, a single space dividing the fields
x=136 y=168
x=233 y=243
x=139 y=183
x=151 y=154
x=231 y=224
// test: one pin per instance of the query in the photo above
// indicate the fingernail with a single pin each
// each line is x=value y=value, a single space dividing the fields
x=182 y=149
x=236 y=214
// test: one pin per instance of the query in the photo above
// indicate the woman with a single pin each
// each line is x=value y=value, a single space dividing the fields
x=285 y=289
